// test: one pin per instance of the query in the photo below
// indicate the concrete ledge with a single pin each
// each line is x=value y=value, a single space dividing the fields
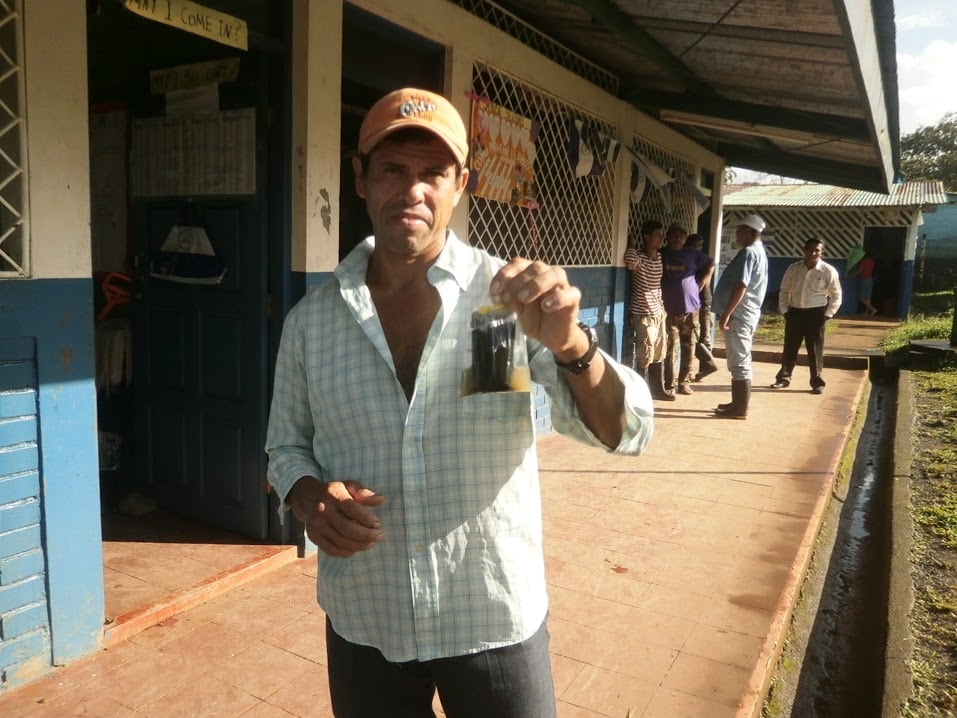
x=831 y=361
x=759 y=683
x=140 y=619
x=931 y=346
x=898 y=679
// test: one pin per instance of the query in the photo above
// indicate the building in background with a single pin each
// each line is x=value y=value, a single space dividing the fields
x=887 y=226
x=936 y=263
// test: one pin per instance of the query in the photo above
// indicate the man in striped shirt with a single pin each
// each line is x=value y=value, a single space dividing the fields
x=647 y=308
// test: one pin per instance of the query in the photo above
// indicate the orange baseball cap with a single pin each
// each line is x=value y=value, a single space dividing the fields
x=411 y=107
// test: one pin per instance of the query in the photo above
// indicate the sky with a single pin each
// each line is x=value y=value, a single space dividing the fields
x=926 y=61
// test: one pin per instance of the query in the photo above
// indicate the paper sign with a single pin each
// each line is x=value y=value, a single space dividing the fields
x=194 y=101
x=185 y=77
x=194 y=18
x=503 y=150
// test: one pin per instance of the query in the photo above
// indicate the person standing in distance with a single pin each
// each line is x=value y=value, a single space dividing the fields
x=647 y=308
x=737 y=304
x=863 y=271
x=422 y=499
x=810 y=295
x=684 y=270
x=706 y=363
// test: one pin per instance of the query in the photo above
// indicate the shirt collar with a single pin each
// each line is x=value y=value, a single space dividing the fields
x=454 y=260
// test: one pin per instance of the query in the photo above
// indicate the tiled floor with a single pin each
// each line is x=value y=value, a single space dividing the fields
x=671 y=576
x=160 y=563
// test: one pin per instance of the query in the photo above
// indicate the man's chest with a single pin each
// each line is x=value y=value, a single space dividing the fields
x=406 y=322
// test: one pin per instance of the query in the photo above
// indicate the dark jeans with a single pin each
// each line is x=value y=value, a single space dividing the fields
x=804 y=325
x=510 y=682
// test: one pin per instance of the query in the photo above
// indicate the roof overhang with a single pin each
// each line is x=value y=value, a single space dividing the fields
x=805 y=90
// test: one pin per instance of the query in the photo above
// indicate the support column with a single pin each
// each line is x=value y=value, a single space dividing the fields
x=316 y=132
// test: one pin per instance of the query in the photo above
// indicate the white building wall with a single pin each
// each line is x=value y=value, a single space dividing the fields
x=57 y=137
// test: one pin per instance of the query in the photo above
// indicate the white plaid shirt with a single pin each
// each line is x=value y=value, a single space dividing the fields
x=460 y=568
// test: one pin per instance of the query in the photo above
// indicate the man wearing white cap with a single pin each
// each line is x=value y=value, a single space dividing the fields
x=737 y=305
x=424 y=499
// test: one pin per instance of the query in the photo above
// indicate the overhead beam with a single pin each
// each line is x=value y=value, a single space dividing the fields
x=872 y=65
x=623 y=25
x=740 y=32
x=821 y=125
x=812 y=169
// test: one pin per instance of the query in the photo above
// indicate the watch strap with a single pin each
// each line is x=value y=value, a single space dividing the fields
x=578 y=366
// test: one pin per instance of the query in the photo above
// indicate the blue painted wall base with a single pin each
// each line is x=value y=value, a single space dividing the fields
x=62 y=543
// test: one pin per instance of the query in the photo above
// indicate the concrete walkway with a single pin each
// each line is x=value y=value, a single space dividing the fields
x=672 y=575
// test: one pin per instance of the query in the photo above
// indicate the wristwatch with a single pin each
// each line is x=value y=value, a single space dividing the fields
x=581 y=364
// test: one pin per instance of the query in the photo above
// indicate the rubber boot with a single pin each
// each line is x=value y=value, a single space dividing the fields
x=706 y=363
x=656 y=382
x=668 y=374
x=740 y=398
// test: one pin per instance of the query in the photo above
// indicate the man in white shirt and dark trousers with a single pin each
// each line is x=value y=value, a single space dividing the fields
x=421 y=494
x=810 y=295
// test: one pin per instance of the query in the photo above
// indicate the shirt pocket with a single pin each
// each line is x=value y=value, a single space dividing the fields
x=499 y=406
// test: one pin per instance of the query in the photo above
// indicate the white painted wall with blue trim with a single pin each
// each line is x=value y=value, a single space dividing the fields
x=51 y=577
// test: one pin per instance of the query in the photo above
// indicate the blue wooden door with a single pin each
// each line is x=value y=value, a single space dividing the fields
x=200 y=368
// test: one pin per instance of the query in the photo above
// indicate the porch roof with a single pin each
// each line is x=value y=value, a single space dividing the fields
x=803 y=89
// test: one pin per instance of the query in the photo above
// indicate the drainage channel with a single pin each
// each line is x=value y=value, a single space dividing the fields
x=833 y=665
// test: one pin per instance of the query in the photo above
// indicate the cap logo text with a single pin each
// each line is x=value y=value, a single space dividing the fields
x=415 y=107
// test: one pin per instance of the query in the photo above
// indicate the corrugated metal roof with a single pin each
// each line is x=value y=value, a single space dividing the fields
x=906 y=194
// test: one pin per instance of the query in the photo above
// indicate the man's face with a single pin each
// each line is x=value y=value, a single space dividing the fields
x=812 y=253
x=652 y=242
x=410 y=189
x=745 y=235
x=676 y=239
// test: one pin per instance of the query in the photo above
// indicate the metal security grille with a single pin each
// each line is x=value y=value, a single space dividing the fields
x=653 y=205
x=14 y=247
x=532 y=38
x=572 y=224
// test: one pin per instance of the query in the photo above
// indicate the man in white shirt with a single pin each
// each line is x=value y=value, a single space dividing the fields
x=422 y=498
x=810 y=295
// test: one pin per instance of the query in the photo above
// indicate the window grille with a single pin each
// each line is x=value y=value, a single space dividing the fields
x=652 y=204
x=534 y=39
x=14 y=247
x=573 y=222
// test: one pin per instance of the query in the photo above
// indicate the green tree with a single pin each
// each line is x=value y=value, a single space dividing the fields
x=931 y=153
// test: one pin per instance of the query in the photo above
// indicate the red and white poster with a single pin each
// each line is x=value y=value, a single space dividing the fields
x=502 y=166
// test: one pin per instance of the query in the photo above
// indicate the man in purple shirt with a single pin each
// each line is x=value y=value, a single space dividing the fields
x=685 y=270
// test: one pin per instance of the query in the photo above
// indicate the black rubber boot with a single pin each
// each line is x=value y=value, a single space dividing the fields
x=740 y=398
x=706 y=363
x=656 y=382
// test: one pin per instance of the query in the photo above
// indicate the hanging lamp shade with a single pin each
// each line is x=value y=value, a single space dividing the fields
x=187 y=256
